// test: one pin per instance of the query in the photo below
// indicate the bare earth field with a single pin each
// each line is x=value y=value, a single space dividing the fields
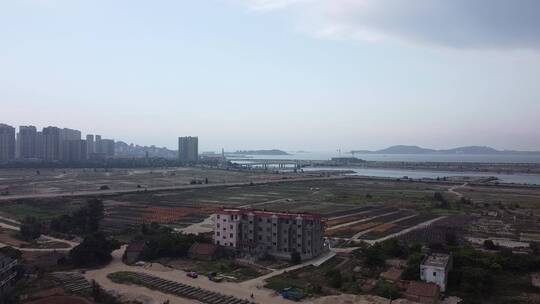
x=357 y=208
x=51 y=181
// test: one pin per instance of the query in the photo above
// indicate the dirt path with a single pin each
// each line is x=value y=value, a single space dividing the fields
x=359 y=234
x=240 y=290
x=202 y=227
x=50 y=238
x=421 y=225
x=454 y=188
x=360 y=221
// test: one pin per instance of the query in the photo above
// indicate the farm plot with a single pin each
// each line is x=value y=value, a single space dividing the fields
x=350 y=231
x=358 y=216
x=388 y=229
x=120 y=217
x=438 y=232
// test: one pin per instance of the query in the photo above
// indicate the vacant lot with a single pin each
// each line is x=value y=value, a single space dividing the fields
x=341 y=201
x=48 y=181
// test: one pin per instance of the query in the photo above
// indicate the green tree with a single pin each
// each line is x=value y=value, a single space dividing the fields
x=334 y=278
x=30 y=228
x=386 y=290
x=94 y=250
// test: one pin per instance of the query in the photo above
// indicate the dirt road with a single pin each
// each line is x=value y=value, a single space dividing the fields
x=240 y=290
x=155 y=189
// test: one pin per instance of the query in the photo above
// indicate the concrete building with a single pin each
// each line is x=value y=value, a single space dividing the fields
x=40 y=146
x=7 y=143
x=434 y=269
x=188 y=149
x=51 y=143
x=66 y=136
x=97 y=144
x=90 y=147
x=7 y=271
x=258 y=233
x=27 y=142
x=420 y=292
x=107 y=147
x=75 y=150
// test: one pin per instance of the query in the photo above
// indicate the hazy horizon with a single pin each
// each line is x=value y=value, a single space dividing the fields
x=304 y=75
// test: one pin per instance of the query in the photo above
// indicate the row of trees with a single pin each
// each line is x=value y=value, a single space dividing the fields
x=162 y=241
x=83 y=221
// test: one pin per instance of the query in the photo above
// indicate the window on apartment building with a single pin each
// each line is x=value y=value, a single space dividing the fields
x=434 y=274
x=299 y=226
x=260 y=237
x=275 y=234
x=275 y=244
x=299 y=236
x=218 y=216
x=251 y=222
x=268 y=238
x=268 y=220
x=217 y=242
x=260 y=219
x=231 y=235
x=231 y=227
x=250 y=231
x=218 y=233
x=275 y=224
x=218 y=225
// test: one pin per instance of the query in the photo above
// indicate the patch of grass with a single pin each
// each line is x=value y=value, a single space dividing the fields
x=125 y=277
x=225 y=267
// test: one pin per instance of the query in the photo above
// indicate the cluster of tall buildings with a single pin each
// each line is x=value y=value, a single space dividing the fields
x=51 y=144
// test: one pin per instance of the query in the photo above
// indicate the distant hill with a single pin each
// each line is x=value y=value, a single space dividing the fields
x=260 y=152
x=402 y=149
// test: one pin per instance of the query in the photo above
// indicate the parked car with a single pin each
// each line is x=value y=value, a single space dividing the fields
x=192 y=274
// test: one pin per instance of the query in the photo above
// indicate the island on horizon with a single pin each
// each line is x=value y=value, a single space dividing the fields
x=406 y=149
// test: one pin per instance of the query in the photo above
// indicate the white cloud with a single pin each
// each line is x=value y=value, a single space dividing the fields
x=497 y=24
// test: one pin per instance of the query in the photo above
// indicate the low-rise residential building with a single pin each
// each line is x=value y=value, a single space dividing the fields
x=133 y=252
x=203 y=251
x=434 y=269
x=257 y=233
x=425 y=293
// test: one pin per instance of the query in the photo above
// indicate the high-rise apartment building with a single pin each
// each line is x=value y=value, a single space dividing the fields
x=258 y=233
x=27 y=142
x=188 y=149
x=90 y=148
x=76 y=150
x=51 y=143
x=107 y=147
x=67 y=135
x=97 y=145
x=7 y=142
x=40 y=146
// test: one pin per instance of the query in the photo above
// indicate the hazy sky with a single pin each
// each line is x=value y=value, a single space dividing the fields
x=290 y=74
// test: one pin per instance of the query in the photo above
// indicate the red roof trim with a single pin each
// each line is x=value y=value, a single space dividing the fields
x=265 y=213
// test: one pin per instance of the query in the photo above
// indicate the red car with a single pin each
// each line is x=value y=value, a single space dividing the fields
x=192 y=274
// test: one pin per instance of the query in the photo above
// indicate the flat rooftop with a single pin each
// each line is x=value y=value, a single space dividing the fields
x=265 y=213
x=436 y=260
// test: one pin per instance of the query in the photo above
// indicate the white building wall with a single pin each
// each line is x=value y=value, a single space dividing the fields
x=435 y=275
x=226 y=230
